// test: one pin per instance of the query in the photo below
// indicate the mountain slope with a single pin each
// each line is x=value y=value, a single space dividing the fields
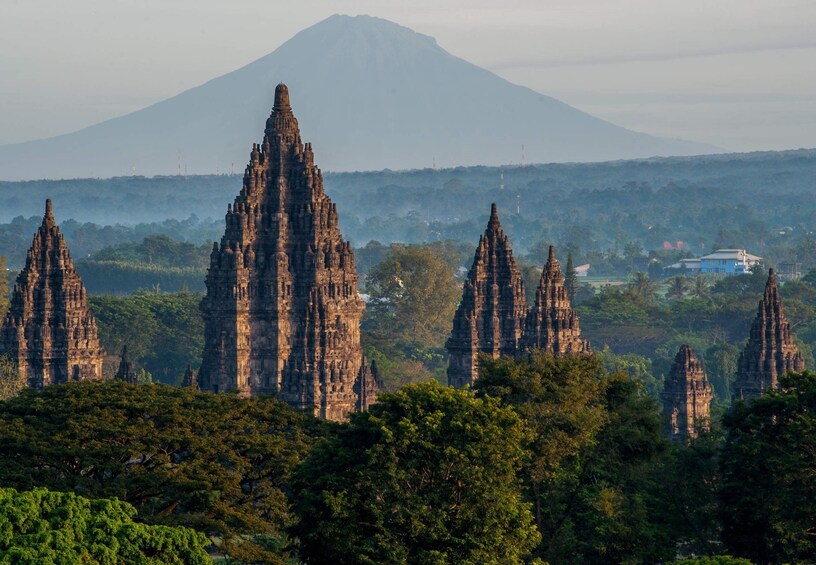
x=369 y=94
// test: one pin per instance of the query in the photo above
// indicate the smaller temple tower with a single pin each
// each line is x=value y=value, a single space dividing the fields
x=190 y=379
x=126 y=372
x=686 y=397
x=552 y=323
x=490 y=317
x=770 y=351
x=48 y=331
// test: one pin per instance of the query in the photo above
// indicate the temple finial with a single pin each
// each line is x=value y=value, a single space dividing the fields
x=494 y=215
x=551 y=257
x=282 y=99
x=48 y=218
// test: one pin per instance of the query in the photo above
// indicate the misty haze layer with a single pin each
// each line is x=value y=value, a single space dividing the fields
x=368 y=93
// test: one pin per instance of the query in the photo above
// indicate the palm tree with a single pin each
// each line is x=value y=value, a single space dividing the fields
x=643 y=288
x=701 y=288
x=678 y=286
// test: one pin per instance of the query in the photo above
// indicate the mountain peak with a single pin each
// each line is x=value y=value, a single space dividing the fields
x=371 y=94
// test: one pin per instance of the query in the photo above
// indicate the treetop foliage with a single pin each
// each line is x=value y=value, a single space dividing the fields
x=163 y=332
x=216 y=463
x=413 y=293
x=427 y=475
x=592 y=467
x=41 y=527
x=768 y=495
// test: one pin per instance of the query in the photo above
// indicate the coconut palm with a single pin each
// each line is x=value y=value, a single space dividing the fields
x=678 y=286
x=643 y=288
x=701 y=288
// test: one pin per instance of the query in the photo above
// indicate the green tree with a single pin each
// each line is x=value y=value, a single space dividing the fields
x=691 y=482
x=11 y=382
x=163 y=332
x=414 y=294
x=594 y=472
x=643 y=288
x=428 y=475
x=570 y=278
x=42 y=527
x=638 y=367
x=678 y=286
x=721 y=365
x=701 y=288
x=768 y=495
x=561 y=399
x=214 y=462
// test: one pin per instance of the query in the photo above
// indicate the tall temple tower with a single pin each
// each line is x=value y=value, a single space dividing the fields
x=282 y=311
x=490 y=317
x=770 y=351
x=552 y=324
x=686 y=397
x=48 y=330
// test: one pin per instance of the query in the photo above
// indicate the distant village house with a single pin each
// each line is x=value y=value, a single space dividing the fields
x=721 y=262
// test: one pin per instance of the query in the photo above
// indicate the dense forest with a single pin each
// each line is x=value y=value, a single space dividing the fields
x=545 y=461
x=760 y=201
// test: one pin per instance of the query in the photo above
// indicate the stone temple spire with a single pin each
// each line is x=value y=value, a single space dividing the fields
x=490 y=317
x=190 y=379
x=770 y=351
x=48 y=331
x=686 y=397
x=282 y=311
x=552 y=324
x=126 y=372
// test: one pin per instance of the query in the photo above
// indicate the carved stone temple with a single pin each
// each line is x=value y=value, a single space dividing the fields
x=190 y=379
x=552 y=324
x=490 y=318
x=282 y=311
x=770 y=351
x=493 y=317
x=686 y=397
x=48 y=330
x=126 y=372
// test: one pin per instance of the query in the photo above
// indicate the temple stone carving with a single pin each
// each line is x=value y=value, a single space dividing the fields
x=126 y=372
x=490 y=318
x=686 y=397
x=552 y=324
x=770 y=351
x=282 y=311
x=190 y=379
x=48 y=330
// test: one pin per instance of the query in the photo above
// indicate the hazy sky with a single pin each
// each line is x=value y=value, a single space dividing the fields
x=740 y=74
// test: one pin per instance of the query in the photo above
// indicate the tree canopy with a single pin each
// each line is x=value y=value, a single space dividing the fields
x=768 y=496
x=164 y=332
x=414 y=293
x=426 y=476
x=41 y=527
x=592 y=472
x=216 y=463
